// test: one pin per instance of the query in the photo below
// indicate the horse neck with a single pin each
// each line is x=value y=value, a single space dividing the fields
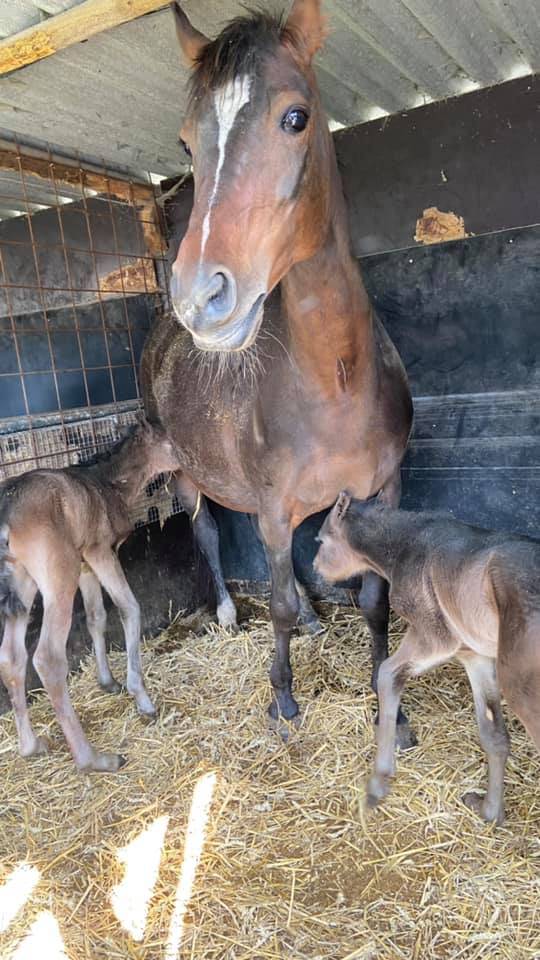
x=327 y=309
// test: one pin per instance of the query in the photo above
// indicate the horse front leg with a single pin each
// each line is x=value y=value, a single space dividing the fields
x=284 y=609
x=306 y=613
x=375 y=607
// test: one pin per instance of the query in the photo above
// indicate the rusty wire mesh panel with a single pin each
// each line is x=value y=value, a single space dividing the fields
x=82 y=275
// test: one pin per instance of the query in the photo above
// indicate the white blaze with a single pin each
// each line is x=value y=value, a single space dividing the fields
x=228 y=101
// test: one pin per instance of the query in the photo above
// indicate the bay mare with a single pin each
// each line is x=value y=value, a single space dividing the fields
x=274 y=379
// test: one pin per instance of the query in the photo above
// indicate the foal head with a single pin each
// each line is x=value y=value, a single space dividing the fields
x=262 y=163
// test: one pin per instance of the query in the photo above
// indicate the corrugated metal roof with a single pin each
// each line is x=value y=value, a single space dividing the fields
x=120 y=96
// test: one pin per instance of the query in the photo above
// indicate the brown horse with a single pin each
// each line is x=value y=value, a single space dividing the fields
x=275 y=380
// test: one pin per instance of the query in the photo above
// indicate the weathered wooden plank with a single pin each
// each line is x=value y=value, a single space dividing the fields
x=77 y=24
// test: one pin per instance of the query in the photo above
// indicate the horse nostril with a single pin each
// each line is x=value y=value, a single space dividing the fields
x=217 y=300
x=216 y=288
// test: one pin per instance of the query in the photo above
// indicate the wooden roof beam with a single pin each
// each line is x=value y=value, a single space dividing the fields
x=72 y=26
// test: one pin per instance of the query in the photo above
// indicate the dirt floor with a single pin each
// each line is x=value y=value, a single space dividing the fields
x=291 y=864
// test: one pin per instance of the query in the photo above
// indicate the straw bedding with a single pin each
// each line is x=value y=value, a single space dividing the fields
x=293 y=866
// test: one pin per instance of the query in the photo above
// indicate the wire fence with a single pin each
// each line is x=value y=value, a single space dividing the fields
x=82 y=277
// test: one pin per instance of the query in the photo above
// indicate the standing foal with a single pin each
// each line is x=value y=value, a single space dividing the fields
x=468 y=594
x=60 y=529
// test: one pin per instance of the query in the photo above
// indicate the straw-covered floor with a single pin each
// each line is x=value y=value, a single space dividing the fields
x=292 y=864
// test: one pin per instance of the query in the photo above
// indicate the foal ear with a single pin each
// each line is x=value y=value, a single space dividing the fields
x=307 y=21
x=340 y=507
x=190 y=39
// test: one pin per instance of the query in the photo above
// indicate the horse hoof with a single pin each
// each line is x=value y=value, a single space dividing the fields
x=148 y=715
x=103 y=763
x=312 y=625
x=284 y=709
x=112 y=686
x=477 y=803
x=284 y=727
x=406 y=738
x=40 y=748
x=145 y=707
x=226 y=615
x=377 y=789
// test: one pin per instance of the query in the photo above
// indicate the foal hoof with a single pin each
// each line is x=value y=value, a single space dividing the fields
x=103 y=763
x=377 y=789
x=226 y=616
x=148 y=715
x=406 y=738
x=311 y=625
x=477 y=803
x=40 y=748
x=145 y=707
x=112 y=686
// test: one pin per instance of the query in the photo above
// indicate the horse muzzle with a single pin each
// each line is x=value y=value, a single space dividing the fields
x=210 y=311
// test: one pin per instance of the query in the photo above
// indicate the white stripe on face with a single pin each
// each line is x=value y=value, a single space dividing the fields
x=228 y=101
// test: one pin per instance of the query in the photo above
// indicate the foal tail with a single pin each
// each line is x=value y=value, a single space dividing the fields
x=10 y=603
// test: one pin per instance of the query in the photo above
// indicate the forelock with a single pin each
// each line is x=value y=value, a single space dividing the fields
x=238 y=51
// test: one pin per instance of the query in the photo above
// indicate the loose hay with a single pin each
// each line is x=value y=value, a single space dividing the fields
x=292 y=864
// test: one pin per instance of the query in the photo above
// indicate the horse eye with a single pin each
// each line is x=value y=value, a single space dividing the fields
x=184 y=146
x=295 y=120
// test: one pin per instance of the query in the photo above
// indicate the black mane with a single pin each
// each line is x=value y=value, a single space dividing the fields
x=237 y=50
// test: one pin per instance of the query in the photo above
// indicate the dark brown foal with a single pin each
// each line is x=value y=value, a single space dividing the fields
x=59 y=530
x=468 y=594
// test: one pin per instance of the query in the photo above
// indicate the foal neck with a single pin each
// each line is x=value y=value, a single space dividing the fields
x=327 y=308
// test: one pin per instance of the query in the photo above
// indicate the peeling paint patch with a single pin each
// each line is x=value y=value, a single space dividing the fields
x=435 y=226
x=136 y=277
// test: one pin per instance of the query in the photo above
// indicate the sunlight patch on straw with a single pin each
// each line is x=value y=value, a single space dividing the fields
x=15 y=892
x=131 y=897
x=43 y=942
x=198 y=818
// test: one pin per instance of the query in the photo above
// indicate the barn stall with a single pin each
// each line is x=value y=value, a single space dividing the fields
x=218 y=840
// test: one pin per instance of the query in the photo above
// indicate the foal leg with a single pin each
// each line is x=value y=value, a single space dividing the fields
x=51 y=664
x=108 y=570
x=96 y=621
x=207 y=538
x=374 y=605
x=284 y=608
x=482 y=675
x=13 y=659
x=409 y=660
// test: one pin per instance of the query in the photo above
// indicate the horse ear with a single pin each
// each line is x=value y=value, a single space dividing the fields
x=190 y=39
x=340 y=507
x=307 y=22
